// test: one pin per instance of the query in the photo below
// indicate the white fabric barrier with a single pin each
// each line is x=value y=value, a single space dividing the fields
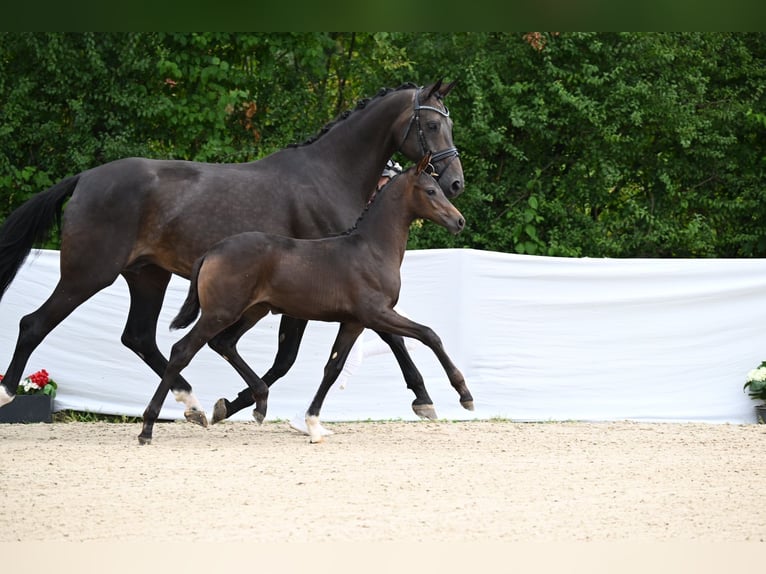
x=538 y=339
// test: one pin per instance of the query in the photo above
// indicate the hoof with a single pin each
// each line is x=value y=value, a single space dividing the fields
x=425 y=412
x=258 y=417
x=142 y=440
x=220 y=412
x=196 y=417
x=467 y=405
x=316 y=440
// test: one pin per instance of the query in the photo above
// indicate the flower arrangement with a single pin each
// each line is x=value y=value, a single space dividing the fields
x=38 y=383
x=756 y=383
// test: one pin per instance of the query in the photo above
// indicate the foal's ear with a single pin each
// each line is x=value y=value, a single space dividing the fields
x=423 y=163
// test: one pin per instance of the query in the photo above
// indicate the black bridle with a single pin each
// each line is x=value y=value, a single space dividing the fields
x=448 y=154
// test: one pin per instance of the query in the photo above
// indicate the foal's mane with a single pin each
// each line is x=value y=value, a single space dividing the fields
x=367 y=207
x=361 y=104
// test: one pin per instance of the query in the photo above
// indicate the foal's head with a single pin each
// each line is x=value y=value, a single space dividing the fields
x=425 y=198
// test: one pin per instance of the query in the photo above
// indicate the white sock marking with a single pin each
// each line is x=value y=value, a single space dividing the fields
x=188 y=399
x=5 y=396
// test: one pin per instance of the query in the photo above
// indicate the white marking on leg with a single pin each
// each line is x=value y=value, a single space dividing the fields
x=188 y=399
x=312 y=425
x=298 y=422
x=5 y=396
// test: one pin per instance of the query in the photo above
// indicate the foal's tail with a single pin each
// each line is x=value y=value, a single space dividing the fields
x=190 y=308
x=31 y=224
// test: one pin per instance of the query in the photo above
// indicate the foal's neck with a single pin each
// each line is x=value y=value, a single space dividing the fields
x=385 y=225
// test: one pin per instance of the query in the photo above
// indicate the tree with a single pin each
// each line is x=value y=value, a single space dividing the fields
x=573 y=144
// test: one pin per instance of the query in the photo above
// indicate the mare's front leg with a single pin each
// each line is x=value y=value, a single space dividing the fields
x=391 y=322
x=422 y=406
x=71 y=291
x=290 y=335
x=347 y=335
x=147 y=287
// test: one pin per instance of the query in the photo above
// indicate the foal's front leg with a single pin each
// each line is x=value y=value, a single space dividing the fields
x=347 y=335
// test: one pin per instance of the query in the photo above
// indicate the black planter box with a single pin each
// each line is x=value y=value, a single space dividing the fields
x=28 y=409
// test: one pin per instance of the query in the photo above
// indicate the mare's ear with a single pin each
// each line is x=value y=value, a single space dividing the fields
x=447 y=89
x=435 y=89
x=423 y=163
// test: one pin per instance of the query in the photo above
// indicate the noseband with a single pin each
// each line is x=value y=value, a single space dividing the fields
x=449 y=153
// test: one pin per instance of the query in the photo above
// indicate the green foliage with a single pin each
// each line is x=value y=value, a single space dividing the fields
x=632 y=145
x=573 y=144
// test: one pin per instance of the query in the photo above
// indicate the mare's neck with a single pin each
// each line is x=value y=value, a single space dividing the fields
x=359 y=145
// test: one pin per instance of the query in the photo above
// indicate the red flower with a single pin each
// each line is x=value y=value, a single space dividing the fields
x=40 y=378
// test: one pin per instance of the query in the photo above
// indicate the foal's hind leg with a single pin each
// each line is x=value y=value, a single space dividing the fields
x=180 y=356
x=147 y=287
x=225 y=345
x=290 y=335
x=422 y=406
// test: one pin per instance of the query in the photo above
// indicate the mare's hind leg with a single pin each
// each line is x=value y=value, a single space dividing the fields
x=224 y=343
x=422 y=406
x=147 y=286
x=290 y=335
x=33 y=328
x=347 y=335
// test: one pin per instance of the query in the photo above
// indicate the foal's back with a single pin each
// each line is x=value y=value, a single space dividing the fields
x=328 y=279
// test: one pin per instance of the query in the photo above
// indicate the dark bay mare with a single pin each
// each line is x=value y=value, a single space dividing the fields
x=147 y=219
x=353 y=278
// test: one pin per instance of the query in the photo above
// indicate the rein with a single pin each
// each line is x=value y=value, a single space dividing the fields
x=449 y=153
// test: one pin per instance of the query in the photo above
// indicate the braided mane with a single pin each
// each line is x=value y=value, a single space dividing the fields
x=361 y=104
x=369 y=205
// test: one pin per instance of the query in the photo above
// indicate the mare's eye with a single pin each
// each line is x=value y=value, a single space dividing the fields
x=432 y=126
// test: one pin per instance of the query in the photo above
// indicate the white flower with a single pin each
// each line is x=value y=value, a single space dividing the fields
x=758 y=374
x=28 y=385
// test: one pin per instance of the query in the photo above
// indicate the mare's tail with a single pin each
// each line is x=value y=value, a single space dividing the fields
x=190 y=308
x=30 y=224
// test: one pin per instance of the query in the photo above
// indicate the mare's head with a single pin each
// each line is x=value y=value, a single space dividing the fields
x=425 y=199
x=429 y=130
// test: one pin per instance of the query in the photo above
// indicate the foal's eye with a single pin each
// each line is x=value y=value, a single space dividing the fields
x=430 y=191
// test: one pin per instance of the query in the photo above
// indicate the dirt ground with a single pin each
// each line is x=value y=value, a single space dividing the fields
x=384 y=482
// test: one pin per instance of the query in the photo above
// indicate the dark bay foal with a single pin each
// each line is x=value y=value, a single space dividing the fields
x=353 y=278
